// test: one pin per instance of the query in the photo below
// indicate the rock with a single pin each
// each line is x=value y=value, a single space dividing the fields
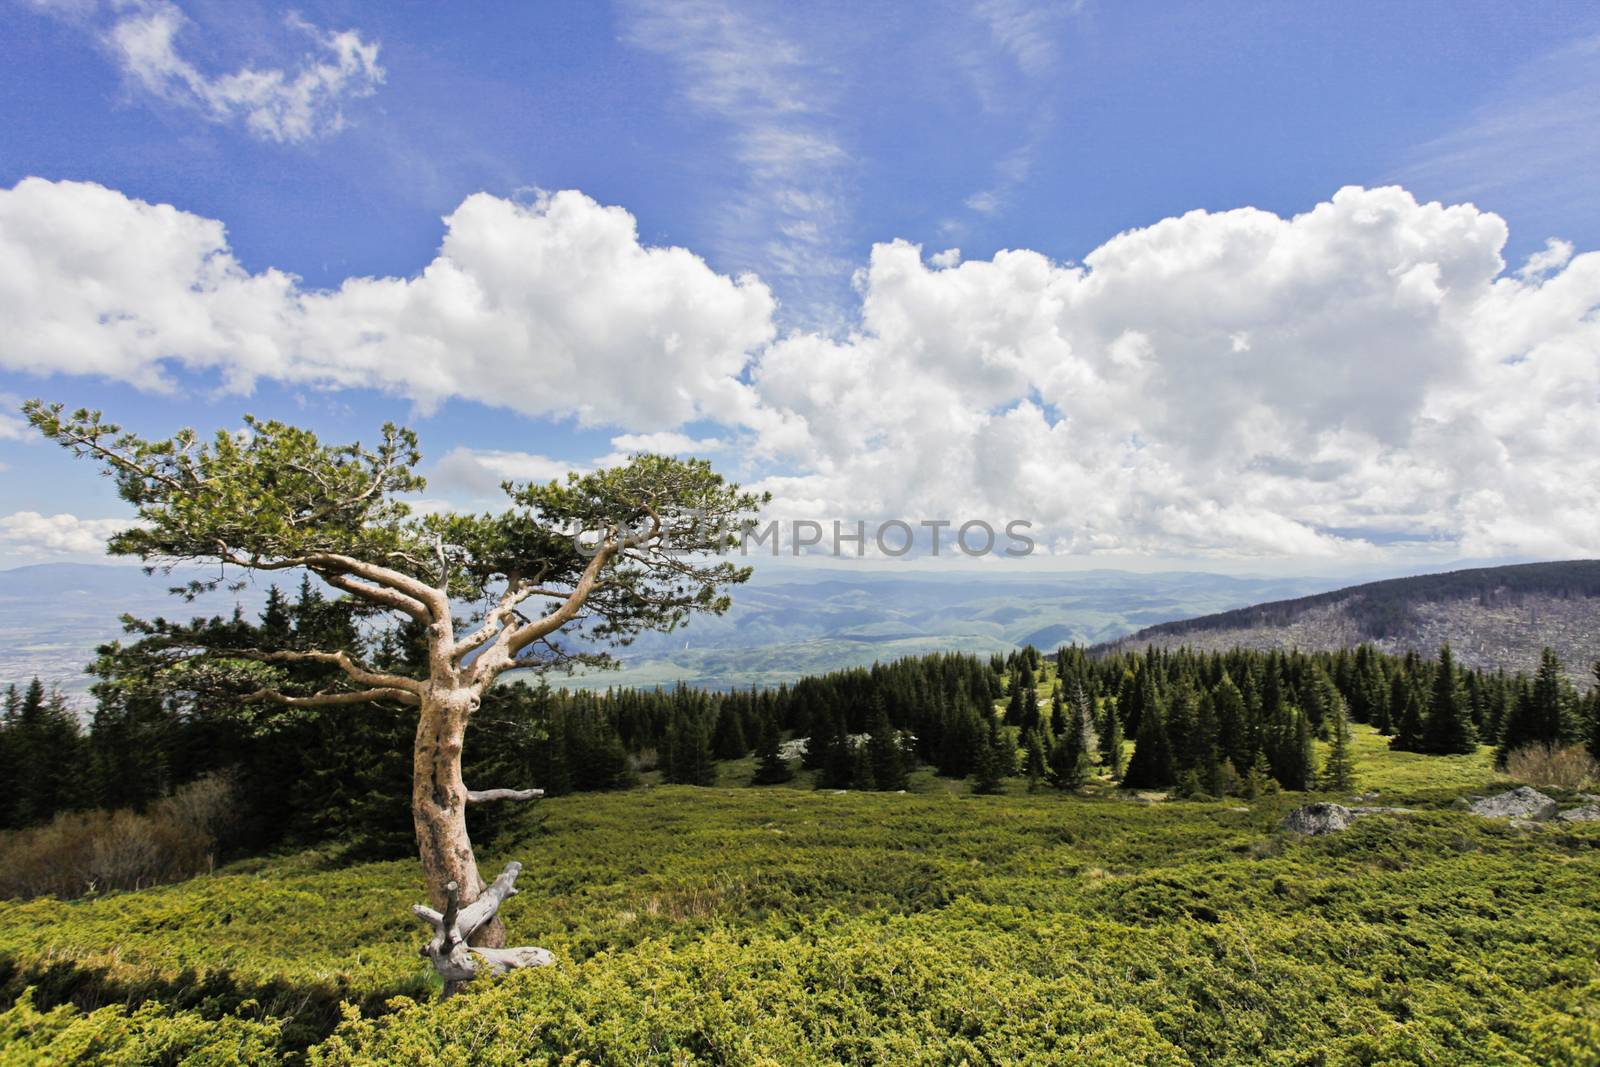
x=1318 y=819
x=1522 y=802
x=1587 y=813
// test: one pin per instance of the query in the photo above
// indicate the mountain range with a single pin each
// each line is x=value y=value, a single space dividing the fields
x=1492 y=617
x=784 y=623
x=788 y=622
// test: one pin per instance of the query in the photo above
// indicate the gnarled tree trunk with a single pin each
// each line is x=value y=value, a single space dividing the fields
x=439 y=805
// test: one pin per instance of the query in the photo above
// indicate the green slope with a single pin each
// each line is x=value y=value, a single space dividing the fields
x=736 y=925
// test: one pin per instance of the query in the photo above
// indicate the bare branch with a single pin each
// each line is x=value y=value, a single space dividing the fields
x=342 y=660
x=328 y=698
x=378 y=595
x=484 y=796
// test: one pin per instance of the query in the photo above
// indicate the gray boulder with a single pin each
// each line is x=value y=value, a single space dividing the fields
x=1523 y=802
x=1587 y=813
x=1318 y=819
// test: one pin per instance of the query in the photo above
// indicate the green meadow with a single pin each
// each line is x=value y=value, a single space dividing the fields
x=738 y=925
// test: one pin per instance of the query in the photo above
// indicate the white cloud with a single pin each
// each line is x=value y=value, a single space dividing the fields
x=1229 y=383
x=550 y=308
x=738 y=67
x=1530 y=143
x=665 y=443
x=275 y=104
x=11 y=427
x=1363 y=379
x=478 y=472
x=30 y=534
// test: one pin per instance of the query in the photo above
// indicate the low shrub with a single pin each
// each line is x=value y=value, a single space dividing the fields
x=82 y=853
x=1569 y=767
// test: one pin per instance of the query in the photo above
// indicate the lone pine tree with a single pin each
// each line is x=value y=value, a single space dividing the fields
x=614 y=552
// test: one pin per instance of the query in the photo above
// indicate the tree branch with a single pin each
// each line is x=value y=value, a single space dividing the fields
x=328 y=698
x=452 y=957
x=484 y=796
x=378 y=595
x=342 y=660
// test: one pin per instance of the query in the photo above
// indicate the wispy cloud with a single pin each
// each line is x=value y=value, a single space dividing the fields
x=1009 y=65
x=736 y=67
x=1533 y=144
x=273 y=103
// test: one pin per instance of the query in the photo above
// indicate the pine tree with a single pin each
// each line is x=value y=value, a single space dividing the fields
x=45 y=744
x=689 y=751
x=1151 y=765
x=1408 y=714
x=1111 y=743
x=1034 y=764
x=963 y=736
x=987 y=774
x=1539 y=715
x=771 y=767
x=1339 y=767
x=861 y=775
x=1182 y=722
x=887 y=758
x=1072 y=756
x=1233 y=735
x=838 y=757
x=728 y=741
x=1447 y=729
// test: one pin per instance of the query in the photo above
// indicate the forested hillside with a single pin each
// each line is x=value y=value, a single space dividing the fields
x=1039 y=857
x=1497 y=618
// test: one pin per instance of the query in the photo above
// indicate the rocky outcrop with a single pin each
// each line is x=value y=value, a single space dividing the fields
x=1587 y=813
x=1318 y=819
x=1523 y=802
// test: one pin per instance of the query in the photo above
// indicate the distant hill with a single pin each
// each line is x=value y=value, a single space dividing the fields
x=786 y=623
x=1492 y=617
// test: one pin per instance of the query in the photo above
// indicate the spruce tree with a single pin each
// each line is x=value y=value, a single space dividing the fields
x=1339 y=766
x=987 y=773
x=1448 y=730
x=45 y=745
x=887 y=758
x=1233 y=735
x=1072 y=756
x=728 y=741
x=771 y=767
x=1151 y=764
x=1034 y=764
x=689 y=759
x=838 y=757
x=1111 y=743
x=1408 y=715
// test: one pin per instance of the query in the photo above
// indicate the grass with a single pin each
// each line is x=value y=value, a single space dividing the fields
x=787 y=925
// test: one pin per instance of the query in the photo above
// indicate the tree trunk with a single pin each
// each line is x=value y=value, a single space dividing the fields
x=439 y=805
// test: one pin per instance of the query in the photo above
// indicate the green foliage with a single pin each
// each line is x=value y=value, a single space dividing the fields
x=789 y=926
x=1339 y=765
x=151 y=1033
x=1449 y=728
x=771 y=767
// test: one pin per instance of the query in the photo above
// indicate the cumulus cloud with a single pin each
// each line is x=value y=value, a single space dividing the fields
x=30 y=534
x=273 y=103
x=1221 y=383
x=1364 y=379
x=548 y=308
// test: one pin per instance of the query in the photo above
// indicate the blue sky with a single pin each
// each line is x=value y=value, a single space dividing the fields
x=788 y=143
